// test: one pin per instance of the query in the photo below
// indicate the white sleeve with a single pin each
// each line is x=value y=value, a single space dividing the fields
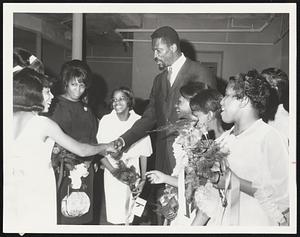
x=145 y=146
x=142 y=147
x=272 y=191
x=103 y=130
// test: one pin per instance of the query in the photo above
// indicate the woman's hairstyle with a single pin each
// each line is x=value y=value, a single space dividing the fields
x=168 y=34
x=254 y=86
x=28 y=87
x=207 y=100
x=75 y=69
x=279 y=81
x=22 y=58
x=191 y=88
x=128 y=93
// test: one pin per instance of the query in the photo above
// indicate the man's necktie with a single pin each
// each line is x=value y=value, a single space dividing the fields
x=169 y=75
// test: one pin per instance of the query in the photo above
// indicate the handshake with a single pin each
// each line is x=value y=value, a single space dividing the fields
x=115 y=148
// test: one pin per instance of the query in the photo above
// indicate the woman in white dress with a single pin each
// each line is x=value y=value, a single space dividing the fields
x=118 y=196
x=205 y=116
x=30 y=190
x=258 y=160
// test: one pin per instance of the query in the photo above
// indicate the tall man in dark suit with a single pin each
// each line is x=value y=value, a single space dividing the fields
x=177 y=71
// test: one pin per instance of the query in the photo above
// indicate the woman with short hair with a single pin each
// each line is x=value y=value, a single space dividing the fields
x=30 y=185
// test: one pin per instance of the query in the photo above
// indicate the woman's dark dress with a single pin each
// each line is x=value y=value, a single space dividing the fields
x=79 y=122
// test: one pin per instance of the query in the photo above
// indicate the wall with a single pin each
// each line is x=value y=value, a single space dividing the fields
x=236 y=58
x=243 y=58
x=132 y=65
x=52 y=54
x=284 y=64
x=24 y=39
x=53 y=57
x=111 y=64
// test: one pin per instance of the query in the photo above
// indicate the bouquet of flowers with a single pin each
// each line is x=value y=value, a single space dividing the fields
x=206 y=162
x=60 y=154
x=64 y=160
x=127 y=175
x=203 y=161
x=187 y=136
x=168 y=203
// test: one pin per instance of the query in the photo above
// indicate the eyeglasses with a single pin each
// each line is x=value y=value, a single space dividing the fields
x=113 y=100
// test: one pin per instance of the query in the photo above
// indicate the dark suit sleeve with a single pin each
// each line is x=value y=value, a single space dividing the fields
x=145 y=123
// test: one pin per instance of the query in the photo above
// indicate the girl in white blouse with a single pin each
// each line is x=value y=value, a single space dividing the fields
x=258 y=157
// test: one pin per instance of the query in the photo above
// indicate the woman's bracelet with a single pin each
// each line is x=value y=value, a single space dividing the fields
x=218 y=179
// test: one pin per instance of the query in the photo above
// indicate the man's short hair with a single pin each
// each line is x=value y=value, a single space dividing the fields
x=168 y=34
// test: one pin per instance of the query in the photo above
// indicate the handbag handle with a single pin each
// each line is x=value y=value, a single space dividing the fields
x=61 y=174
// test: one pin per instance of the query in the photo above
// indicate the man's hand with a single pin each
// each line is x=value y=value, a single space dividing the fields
x=113 y=150
x=118 y=144
x=110 y=148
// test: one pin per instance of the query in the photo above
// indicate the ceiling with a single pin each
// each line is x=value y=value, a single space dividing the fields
x=100 y=27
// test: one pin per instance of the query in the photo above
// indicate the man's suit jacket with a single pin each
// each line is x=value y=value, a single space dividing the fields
x=161 y=110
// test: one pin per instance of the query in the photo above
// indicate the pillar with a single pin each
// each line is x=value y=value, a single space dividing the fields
x=77 y=31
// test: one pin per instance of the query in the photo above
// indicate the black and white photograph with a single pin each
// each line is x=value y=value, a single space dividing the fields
x=149 y=118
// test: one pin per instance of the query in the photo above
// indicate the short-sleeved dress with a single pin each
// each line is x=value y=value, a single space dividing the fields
x=30 y=195
x=79 y=122
x=118 y=196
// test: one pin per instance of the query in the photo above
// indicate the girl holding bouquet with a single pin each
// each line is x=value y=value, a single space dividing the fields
x=118 y=194
x=206 y=106
x=30 y=195
x=258 y=159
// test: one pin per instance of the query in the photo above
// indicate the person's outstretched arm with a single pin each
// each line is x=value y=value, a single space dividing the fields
x=157 y=177
x=52 y=130
x=108 y=165
x=144 y=124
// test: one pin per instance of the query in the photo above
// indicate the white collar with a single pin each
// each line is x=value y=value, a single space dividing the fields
x=281 y=111
x=178 y=63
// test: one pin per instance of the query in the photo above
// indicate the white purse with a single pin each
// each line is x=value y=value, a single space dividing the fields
x=75 y=204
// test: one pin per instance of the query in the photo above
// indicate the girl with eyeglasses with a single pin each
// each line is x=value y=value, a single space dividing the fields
x=258 y=160
x=118 y=197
